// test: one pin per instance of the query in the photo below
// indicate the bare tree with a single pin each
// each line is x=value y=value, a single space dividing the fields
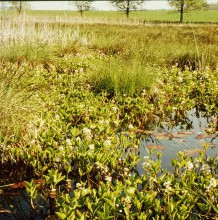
x=127 y=5
x=18 y=5
x=187 y=5
x=82 y=6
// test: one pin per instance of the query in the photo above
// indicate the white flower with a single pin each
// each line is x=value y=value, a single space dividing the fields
x=181 y=153
x=146 y=164
x=78 y=139
x=136 y=147
x=91 y=147
x=143 y=92
x=116 y=123
x=91 y=108
x=130 y=126
x=126 y=171
x=179 y=79
x=107 y=122
x=131 y=190
x=167 y=186
x=104 y=169
x=189 y=165
x=196 y=163
x=81 y=70
x=61 y=148
x=212 y=183
x=107 y=143
x=205 y=168
x=108 y=178
x=114 y=109
x=57 y=116
x=78 y=185
x=127 y=201
x=86 y=131
x=146 y=158
x=57 y=159
x=68 y=141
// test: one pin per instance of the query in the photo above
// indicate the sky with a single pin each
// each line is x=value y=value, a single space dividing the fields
x=99 y=5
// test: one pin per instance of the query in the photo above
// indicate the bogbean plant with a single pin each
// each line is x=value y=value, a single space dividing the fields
x=103 y=185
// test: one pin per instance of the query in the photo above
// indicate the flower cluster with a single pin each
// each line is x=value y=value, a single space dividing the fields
x=107 y=143
x=212 y=185
x=167 y=186
x=206 y=169
x=91 y=147
x=108 y=178
x=127 y=202
x=102 y=168
x=79 y=186
x=189 y=165
x=87 y=132
x=146 y=163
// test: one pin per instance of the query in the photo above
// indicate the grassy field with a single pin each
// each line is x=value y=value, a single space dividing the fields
x=78 y=95
x=141 y=16
x=164 y=15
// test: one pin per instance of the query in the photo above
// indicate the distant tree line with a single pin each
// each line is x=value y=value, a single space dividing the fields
x=123 y=5
x=129 y=5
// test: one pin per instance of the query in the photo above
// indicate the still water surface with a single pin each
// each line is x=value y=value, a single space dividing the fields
x=190 y=143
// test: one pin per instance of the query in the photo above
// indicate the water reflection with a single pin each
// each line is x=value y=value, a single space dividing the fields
x=192 y=141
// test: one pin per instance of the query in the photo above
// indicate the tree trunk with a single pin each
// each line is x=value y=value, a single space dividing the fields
x=181 y=12
x=127 y=12
x=81 y=13
x=127 y=9
x=20 y=7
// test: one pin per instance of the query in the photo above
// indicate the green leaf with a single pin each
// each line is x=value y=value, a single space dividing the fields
x=202 y=206
x=61 y=215
x=109 y=202
x=89 y=204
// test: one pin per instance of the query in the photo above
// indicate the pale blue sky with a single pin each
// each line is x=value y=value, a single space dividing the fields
x=99 y=5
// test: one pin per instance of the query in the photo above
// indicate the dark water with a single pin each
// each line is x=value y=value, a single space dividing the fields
x=15 y=205
x=190 y=143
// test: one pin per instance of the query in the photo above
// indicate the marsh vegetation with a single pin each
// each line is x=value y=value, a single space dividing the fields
x=77 y=101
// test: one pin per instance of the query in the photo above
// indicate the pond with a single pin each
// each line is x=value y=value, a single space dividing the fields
x=171 y=141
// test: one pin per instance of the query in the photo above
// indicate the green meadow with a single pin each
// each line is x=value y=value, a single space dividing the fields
x=202 y=16
x=79 y=95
